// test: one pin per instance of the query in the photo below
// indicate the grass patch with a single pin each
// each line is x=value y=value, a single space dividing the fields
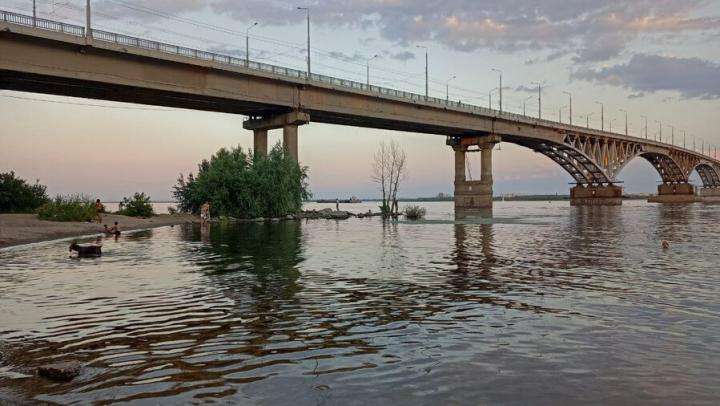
x=68 y=208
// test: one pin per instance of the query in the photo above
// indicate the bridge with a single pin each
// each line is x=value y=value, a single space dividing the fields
x=45 y=56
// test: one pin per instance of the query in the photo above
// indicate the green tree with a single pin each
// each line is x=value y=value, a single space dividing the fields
x=238 y=185
x=137 y=206
x=17 y=196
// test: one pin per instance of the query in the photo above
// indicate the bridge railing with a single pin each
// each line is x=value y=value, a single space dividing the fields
x=126 y=40
x=42 y=23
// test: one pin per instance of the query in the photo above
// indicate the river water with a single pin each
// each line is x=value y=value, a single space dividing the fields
x=543 y=304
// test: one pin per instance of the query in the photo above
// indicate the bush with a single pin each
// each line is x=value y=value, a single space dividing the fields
x=238 y=185
x=137 y=206
x=17 y=196
x=414 y=212
x=68 y=208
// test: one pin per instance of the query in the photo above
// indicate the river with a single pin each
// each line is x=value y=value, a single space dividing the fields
x=542 y=304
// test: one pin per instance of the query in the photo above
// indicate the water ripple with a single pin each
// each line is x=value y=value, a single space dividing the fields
x=543 y=304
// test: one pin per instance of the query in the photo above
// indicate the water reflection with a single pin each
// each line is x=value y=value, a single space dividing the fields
x=524 y=306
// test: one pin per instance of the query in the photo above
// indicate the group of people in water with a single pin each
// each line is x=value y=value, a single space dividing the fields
x=99 y=210
x=115 y=229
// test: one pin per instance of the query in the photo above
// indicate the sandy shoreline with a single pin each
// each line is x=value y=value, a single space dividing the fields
x=19 y=229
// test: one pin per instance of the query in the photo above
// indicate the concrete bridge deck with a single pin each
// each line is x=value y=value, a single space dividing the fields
x=45 y=56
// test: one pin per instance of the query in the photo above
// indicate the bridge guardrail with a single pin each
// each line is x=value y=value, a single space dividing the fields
x=42 y=23
x=127 y=40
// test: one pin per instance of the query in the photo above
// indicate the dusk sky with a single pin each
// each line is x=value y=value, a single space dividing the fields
x=658 y=58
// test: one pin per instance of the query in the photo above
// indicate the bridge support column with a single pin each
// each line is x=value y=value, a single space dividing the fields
x=290 y=141
x=473 y=197
x=260 y=142
x=675 y=193
x=596 y=195
x=289 y=123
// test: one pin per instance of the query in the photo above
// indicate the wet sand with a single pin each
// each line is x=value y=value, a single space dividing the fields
x=18 y=229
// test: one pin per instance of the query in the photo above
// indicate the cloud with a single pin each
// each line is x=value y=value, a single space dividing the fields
x=526 y=89
x=588 y=30
x=591 y=30
x=139 y=10
x=402 y=56
x=643 y=73
x=347 y=58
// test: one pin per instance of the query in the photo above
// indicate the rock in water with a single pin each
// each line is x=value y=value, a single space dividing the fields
x=339 y=215
x=61 y=371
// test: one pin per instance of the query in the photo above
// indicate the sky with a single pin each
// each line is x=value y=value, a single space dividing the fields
x=653 y=58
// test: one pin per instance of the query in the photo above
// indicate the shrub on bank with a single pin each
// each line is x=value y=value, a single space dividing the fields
x=68 y=208
x=17 y=196
x=239 y=185
x=139 y=205
x=414 y=212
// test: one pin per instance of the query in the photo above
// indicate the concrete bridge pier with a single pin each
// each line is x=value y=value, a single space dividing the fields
x=675 y=193
x=290 y=141
x=289 y=123
x=260 y=142
x=473 y=197
x=596 y=195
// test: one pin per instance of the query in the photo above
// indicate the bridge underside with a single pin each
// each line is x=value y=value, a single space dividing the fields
x=87 y=89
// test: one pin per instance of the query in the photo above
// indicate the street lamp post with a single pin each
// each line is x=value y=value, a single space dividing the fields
x=659 y=123
x=34 y=14
x=447 y=89
x=427 y=94
x=569 y=95
x=626 y=121
x=368 y=68
x=307 y=9
x=247 y=44
x=88 y=20
x=602 y=116
x=684 y=139
x=646 y=119
x=610 y=124
x=500 y=72
x=693 y=137
x=539 y=84
x=672 y=135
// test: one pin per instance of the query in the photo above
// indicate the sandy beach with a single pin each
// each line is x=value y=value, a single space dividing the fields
x=18 y=229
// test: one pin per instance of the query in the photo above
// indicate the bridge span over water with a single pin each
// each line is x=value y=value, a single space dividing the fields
x=45 y=56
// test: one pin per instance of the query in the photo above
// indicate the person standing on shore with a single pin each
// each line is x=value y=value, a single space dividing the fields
x=337 y=204
x=205 y=213
x=99 y=209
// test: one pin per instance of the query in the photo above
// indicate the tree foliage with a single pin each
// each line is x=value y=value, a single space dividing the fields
x=68 y=208
x=239 y=185
x=388 y=170
x=139 y=205
x=17 y=196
